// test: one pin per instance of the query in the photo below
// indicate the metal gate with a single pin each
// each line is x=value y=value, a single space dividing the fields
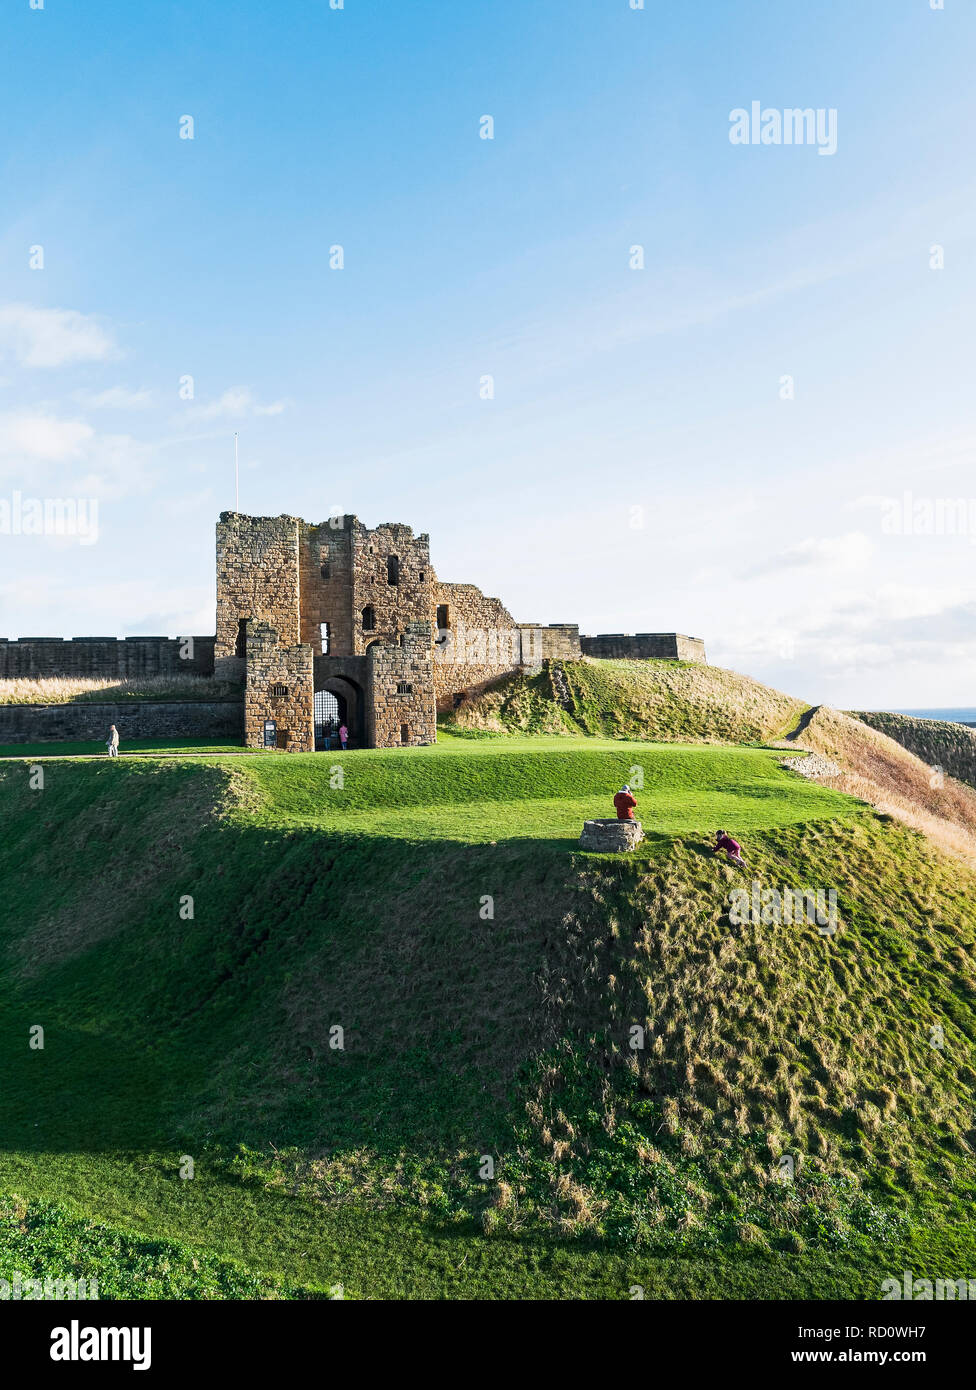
x=326 y=718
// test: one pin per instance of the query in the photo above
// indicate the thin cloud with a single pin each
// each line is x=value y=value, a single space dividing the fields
x=34 y=437
x=114 y=398
x=40 y=452
x=52 y=337
x=236 y=402
x=839 y=554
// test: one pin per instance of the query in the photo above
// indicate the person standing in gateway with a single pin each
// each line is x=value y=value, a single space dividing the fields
x=113 y=742
x=343 y=736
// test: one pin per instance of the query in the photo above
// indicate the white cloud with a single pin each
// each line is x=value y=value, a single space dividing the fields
x=863 y=649
x=839 y=554
x=113 y=398
x=35 y=437
x=236 y=401
x=41 y=453
x=52 y=337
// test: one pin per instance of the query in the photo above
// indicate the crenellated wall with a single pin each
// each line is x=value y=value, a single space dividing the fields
x=106 y=657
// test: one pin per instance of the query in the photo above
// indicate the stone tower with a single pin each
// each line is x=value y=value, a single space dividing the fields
x=333 y=616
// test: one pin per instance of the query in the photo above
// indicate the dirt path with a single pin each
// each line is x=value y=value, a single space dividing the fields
x=804 y=723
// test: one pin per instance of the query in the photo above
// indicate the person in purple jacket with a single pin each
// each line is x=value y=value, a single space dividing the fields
x=733 y=851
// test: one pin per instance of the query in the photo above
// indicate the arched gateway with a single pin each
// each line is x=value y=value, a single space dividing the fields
x=338 y=701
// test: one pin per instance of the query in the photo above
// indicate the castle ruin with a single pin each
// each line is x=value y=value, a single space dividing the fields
x=335 y=624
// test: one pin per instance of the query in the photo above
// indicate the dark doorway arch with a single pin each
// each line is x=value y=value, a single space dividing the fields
x=328 y=711
x=338 y=701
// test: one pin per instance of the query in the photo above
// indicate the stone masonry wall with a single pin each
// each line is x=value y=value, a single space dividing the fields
x=690 y=648
x=481 y=642
x=326 y=583
x=257 y=580
x=394 y=605
x=105 y=657
x=644 y=646
x=391 y=708
x=219 y=721
x=270 y=664
x=557 y=642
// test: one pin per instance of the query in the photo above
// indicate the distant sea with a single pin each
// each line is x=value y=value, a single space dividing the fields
x=954 y=716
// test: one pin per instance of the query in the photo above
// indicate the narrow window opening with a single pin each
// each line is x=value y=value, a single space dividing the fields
x=443 y=617
x=325 y=638
x=280 y=691
x=393 y=569
x=404 y=733
x=404 y=689
x=240 y=648
x=369 y=618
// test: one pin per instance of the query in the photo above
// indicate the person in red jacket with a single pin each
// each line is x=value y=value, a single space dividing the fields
x=732 y=848
x=624 y=803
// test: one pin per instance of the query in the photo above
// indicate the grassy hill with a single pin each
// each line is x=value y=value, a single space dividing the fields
x=668 y=700
x=682 y=701
x=486 y=978
x=951 y=747
x=895 y=781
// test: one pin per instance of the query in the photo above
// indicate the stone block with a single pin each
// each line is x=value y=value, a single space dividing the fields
x=611 y=836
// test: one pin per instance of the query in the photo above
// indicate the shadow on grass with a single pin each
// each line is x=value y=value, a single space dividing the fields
x=219 y=1027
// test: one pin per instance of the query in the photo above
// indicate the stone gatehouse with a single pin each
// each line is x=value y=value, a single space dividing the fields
x=335 y=624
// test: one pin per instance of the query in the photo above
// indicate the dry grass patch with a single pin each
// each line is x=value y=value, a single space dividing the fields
x=894 y=781
x=63 y=690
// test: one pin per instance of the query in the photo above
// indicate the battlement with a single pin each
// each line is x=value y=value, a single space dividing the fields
x=111 y=658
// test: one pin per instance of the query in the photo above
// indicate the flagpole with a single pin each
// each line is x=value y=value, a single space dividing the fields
x=237 y=478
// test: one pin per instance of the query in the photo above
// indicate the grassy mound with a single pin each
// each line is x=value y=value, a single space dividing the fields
x=40 y=1241
x=941 y=744
x=390 y=1016
x=895 y=781
x=671 y=701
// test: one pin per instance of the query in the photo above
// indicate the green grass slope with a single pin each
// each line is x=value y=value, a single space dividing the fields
x=387 y=1009
x=671 y=701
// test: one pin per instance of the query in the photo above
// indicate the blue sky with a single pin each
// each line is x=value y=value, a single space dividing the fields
x=636 y=468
